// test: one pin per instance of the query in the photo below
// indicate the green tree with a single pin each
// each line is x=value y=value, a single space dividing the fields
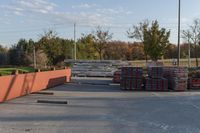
x=21 y=53
x=156 y=40
x=56 y=48
x=86 y=48
x=3 y=55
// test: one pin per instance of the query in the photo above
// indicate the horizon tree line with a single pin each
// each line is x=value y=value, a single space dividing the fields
x=150 y=42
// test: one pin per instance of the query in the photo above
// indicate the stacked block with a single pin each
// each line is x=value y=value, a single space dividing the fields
x=156 y=84
x=155 y=80
x=116 y=76
x=131 y=78
x=177 y=78
x=194 y=81
x=155 y=72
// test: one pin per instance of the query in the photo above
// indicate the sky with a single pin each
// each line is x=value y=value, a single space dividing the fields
x=31 y=18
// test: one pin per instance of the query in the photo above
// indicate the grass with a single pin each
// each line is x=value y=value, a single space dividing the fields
x=166 y=62
x=8 y=71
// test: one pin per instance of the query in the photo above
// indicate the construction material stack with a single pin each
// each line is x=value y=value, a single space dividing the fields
x=131 y=78
x=116 y=76
x=155 y=80
x=177 y=78
x=95 y=68
x=194 y=81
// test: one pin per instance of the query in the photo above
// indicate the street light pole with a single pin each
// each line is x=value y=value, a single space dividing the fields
x=179 y=30
x=75 y=41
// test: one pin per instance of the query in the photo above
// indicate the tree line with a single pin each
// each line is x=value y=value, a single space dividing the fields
x=150 y=42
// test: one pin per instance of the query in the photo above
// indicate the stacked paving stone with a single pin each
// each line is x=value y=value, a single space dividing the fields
x=95 y=68
x=116 y=76
x=177 y=78
x=155 y=80
x=131 y=78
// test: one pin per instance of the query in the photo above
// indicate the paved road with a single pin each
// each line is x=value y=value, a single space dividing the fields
x=102 y=109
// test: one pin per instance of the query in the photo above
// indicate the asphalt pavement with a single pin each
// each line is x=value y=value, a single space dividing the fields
x=97 y=106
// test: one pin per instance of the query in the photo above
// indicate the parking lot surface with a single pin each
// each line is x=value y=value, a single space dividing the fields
x=96 y=106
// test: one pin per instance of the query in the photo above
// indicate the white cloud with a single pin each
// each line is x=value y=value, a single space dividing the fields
x=85 y=5
x=18 y=13
x=40 y=6
x=22 y=6
x=47 y=10
x=110 y=11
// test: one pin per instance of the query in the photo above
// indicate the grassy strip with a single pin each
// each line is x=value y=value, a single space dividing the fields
x=8 y=71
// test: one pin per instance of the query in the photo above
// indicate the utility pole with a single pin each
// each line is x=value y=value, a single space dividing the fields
x=189 y=54
x=179 y=30
x=74 y=41
x=34 y=57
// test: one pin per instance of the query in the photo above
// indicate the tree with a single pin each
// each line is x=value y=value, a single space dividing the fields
x=170 y=52
x=42 y=59
x=116 y=50
x=101 y=38
x=3 y=55
x=156 y=39
x=137 y=51
x=192 y=35
x=56 y=48
x=137 y=33
x=85 y=46
x=21 y=53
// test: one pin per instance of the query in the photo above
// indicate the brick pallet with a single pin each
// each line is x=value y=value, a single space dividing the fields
x=116 y=77
x=155 y=80
x=136 y=72
x=178 y=84
x=155 y=72
x=128 y=83
x=156 y=84
x=131 y=78
x=177 y=78
x=194 y=83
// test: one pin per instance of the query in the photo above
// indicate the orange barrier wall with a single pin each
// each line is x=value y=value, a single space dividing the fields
x=14 y=86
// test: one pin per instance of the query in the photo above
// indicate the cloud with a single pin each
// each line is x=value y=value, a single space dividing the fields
x=85 y=5
x=18 y=13
x=117 y=11
x=46 y=10
x=36 y=6
x=83 y=18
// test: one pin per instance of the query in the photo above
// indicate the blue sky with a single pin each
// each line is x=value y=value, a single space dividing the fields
x=30 y=18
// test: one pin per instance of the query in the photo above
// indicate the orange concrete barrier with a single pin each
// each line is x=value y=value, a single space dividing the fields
x=14 y=86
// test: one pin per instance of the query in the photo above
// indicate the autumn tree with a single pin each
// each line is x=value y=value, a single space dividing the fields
x=116 y=50
x=192 y=35
x=170 y=52
x=101 y=38
x=137 y=33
